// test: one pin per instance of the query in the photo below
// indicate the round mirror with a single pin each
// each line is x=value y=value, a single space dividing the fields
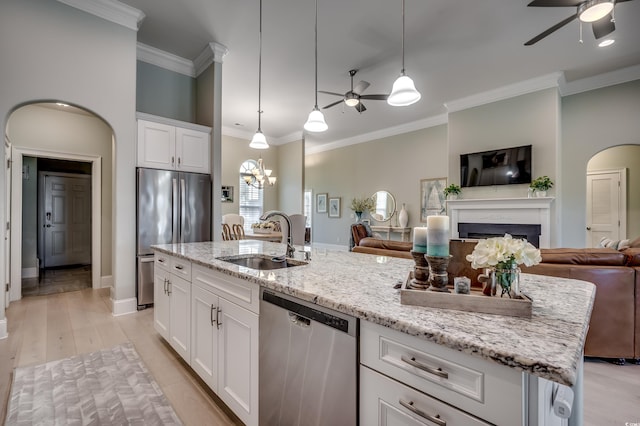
x=384 y=206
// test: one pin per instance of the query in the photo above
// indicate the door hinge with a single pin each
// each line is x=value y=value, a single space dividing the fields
x=8 y=163
x=8 y=287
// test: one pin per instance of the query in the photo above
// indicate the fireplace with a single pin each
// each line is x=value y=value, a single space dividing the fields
x=487 y=230
x=528 y=218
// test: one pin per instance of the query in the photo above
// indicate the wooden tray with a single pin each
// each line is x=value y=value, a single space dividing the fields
x=474 y=302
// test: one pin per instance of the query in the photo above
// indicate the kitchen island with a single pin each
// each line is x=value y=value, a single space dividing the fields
x=547 y=346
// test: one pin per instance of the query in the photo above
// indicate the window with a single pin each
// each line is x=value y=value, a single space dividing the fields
x=250 y=197
x=308 y=207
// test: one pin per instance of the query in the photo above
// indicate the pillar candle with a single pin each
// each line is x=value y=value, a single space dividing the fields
x=420 y=239
x=438 y=235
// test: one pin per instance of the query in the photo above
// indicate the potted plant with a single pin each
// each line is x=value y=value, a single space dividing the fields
x=541 y=185
x=452 y=191
x=360 y=205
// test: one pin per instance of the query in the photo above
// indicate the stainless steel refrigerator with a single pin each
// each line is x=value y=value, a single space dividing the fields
x=171 y=207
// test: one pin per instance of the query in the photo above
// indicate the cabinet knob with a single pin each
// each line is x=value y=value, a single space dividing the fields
x=588 y=228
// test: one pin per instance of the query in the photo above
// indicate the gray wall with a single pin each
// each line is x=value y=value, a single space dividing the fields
x=68 y=55
x=165 y=93
x=48 y=129
x=291 y=177
x=591 y=122
x=396 y=164
x=29 y=214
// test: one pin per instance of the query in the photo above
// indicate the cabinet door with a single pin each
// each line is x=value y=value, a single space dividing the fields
x=156 y=145
x=161 y=301
x=238 y=361
x=180 y=315
x=204 y=335
x=192 y=151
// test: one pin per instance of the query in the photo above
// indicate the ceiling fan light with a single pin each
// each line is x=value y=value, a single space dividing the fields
x=404 y=92
x=259 y=141
x=607 y=42
x=351 y=102
x=315 y=122
x=594 y=10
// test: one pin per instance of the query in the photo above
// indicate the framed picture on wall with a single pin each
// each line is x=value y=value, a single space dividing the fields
x=227 y=194
x=432 y=199
x=321 y=203
x=334 y=207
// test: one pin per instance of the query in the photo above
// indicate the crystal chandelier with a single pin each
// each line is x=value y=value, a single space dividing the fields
x=258 y=177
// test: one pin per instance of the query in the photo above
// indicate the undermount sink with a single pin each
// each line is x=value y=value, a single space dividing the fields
x=261 y=262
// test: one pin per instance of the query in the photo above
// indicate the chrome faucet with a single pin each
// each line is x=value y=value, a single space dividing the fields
x=267 y=215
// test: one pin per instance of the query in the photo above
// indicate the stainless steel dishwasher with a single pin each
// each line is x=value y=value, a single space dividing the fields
x=308 y=363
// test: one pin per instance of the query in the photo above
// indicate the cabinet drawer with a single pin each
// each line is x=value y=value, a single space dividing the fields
x=240 y=292
x=163 y=261
x=384 y=401
x=485 y=389
x=181 y=268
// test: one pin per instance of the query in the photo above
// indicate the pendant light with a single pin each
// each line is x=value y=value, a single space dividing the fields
x=259 y=141
x=404 y=91
x=315 y=122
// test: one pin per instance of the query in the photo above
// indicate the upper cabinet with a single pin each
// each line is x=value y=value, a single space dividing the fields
x=173 y=145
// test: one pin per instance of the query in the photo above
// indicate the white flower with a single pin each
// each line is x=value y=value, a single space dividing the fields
x=505 y=250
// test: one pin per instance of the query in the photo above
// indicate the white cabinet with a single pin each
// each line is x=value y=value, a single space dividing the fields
x=224 y=335
x=171 y=146
x=172 y=303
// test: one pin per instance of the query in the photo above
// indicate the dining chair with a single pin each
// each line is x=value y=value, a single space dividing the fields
x=237 y=232
x=226 y=232
x=298 y=229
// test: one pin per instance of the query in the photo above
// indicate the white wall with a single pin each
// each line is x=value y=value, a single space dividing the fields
x=48 y=129
x=591 y=122
x=51 y=51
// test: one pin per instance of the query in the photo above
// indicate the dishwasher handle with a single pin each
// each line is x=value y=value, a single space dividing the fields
x=299 y=320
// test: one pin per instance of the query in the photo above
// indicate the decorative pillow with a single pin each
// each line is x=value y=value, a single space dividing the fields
x=635 y=243
x=614 y=244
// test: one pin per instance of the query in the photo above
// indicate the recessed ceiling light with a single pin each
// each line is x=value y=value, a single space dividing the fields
x=607 y=42
x=238 y=124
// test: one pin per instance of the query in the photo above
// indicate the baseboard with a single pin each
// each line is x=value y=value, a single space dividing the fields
x=124 y=306
x=3 y=329
x=30 y=273
x=324 y=246
x=106 y=281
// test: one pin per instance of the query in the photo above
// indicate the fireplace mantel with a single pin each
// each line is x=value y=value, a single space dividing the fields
x=535 y=211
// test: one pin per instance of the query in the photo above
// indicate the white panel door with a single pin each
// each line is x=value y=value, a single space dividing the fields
x=606 y=206
x=156 y=145
x=7 y=235
x=180 y=315
x=192 y=151
x=204 y=335
x=161 y=302
x=238 y=361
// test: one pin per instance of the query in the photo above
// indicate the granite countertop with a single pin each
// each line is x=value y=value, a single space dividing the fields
x=548 y=345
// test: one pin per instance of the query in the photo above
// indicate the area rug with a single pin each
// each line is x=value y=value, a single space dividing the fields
x=108 y=387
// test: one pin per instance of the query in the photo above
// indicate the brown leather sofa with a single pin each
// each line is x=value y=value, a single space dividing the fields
x=363 y=243
x=614 y=329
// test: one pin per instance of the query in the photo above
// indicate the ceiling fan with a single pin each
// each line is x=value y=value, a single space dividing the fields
x=354 y=96
x=597 y=12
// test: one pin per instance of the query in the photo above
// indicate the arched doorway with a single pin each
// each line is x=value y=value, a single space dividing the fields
x=59 y=132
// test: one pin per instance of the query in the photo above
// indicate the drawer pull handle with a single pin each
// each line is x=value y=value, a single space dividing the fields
x=164 y=282
x=435 y=419
x=435 y=371
x=160 y=260
x=179 y=267
x=218 y=310
x=211 y=315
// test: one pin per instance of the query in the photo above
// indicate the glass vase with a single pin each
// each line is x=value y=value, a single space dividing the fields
x=358 y=216
x=506 y=279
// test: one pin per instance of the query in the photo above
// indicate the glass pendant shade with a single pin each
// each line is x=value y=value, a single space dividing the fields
x=404 y=92
x=259 y=141
x=594 y=10
x=315 y=122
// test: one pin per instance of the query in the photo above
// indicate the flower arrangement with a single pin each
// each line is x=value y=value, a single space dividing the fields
x=264 y=225
x=503 y=255
x=452 y=189
x=363 y=204
x=542 y=183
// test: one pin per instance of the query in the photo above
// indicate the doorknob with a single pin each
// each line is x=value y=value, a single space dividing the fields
x=48 y=215
x=588 y=228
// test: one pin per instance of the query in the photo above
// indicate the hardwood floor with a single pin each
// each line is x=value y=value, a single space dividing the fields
x=45 y=328
x=57 y=281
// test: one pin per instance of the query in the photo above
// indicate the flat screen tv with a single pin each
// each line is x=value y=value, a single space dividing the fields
x=497 y=167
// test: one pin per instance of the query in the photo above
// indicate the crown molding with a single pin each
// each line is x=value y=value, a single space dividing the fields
x=165 y=60
x=380 y=134
x=110 y=10
x=522 y=88
x=237 y=133
x=214 y=52
x=620 y=76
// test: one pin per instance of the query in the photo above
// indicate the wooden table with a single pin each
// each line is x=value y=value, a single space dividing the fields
x=271 y=236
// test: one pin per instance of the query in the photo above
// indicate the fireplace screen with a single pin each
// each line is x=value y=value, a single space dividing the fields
x=487 y=230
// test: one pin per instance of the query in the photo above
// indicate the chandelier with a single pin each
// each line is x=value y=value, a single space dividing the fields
x=258 y=177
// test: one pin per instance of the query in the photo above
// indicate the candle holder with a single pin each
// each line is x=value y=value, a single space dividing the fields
x=438 y=277
x=420 y=280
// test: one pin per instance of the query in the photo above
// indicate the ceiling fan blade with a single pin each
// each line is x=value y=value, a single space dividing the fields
x=551 y=30
x=360 y=87
x=359 y=107
x=331 y=93
x=375 y=97
x=603 y=27
x=555 y=3
x=333 y=104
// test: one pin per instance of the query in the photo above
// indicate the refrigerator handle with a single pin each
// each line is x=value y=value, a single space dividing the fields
x=175 y=222
x=183 y=213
